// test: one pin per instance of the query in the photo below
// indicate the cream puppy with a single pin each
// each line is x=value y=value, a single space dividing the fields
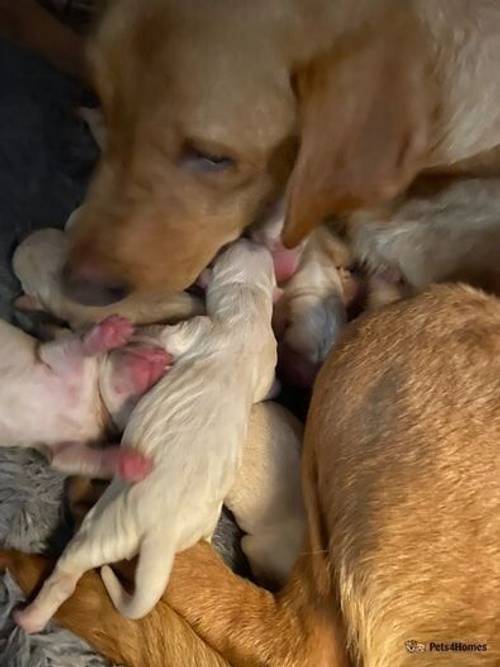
x=266 y=497
x=38 y=263
x=311 y=313
x=61 y=396
x=192 y=425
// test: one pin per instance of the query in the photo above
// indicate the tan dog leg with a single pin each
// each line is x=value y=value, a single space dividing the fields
x=90 y=614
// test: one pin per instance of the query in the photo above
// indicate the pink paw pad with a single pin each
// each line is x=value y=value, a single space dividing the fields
x=133 y=466
x=109 y=334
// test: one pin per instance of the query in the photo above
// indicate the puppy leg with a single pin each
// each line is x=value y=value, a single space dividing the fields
x=76 y=458
x=96 y=544
x=56 y=589
x=67 y=354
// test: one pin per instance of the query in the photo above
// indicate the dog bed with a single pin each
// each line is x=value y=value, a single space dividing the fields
x=46 y=158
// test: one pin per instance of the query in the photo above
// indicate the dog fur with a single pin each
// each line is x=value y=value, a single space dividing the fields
x=425 y=118
x=400 y=476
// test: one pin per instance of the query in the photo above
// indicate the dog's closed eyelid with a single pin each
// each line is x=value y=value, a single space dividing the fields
x=205 y=160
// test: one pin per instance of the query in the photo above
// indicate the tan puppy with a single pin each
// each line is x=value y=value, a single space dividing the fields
x=38 y=264
x=266 y=497
x=402 y=494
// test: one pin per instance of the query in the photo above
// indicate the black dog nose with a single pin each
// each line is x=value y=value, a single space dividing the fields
x=92 y=291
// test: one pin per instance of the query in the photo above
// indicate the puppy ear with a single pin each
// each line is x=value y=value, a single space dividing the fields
x=365 y=111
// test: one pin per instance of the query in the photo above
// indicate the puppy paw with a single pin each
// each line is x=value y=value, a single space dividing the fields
x=28 y=621
x=132 y=466
x=113 y=332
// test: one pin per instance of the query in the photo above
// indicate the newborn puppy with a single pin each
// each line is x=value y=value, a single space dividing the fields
x=193 y=425
x=266 y=497
x=311 y=314
x=61 y=395
x=38 y=263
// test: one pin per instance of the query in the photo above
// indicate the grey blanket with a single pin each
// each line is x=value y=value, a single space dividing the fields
x=46 y=158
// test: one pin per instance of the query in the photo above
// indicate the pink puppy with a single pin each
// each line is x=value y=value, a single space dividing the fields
x=62 y=396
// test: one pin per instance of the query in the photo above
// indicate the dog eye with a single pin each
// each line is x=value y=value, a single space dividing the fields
x=203 y=161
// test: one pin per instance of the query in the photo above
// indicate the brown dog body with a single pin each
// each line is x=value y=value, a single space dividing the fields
x=402 y=494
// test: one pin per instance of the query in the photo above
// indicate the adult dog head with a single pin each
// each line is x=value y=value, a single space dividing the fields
x=217 y=108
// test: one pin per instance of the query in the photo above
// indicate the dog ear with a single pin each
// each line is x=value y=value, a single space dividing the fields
x=364 y=112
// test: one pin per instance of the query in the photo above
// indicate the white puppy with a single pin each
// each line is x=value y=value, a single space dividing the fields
x=193 y=425
x=38 y=263
x=266 y=497
x=60 y=396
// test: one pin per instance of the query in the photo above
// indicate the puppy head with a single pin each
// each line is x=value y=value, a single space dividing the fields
x=199 y=124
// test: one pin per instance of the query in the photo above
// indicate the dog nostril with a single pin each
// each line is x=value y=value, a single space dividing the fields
x=91 y=291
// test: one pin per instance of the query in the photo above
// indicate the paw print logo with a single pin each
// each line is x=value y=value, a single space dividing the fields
x=413 y=646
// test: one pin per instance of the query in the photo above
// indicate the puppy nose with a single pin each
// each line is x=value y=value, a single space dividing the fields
x=91 y=289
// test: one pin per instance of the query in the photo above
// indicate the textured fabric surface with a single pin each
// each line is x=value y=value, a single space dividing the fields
x=32 y=518
x=46 y=157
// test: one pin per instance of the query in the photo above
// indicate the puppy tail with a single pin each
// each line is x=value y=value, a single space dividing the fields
x=151 y=578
